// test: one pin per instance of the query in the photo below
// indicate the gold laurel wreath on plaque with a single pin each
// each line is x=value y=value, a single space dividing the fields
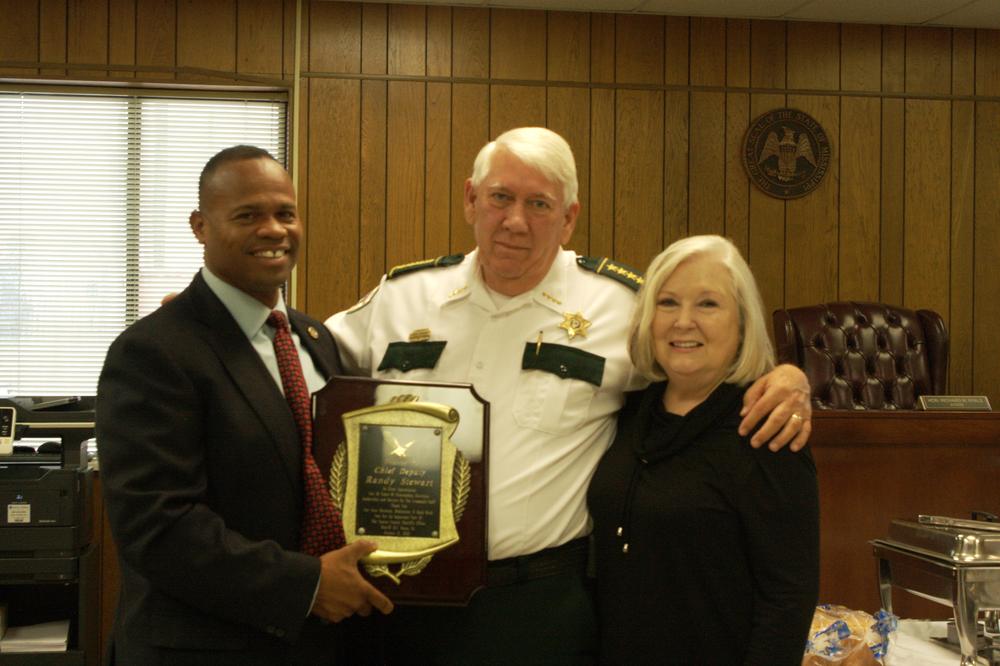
x=461 y=485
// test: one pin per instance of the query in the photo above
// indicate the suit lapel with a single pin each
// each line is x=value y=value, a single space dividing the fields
x=251 y=377
x=312 y=339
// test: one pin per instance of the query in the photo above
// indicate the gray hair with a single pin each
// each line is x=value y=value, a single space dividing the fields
x=755 y=355
x=539 y=148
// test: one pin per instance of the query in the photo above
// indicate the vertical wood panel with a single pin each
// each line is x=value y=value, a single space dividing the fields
x=811 y=221
x=860 y=57
x=963 y=151
x=928 y=60
x=988 y=62
x=407 y=40
x=569 y=115
x=892 y=222
x=602 y=173
x=766 y=239
x=155 y=37
x=51 y=34
x=767 y=54
x=677 y=50
x=18 y=35
x=893 y=58
x=893 y=206
x=259 y=37
x=766 y=244
x=121 y=36
x=638 y=176
x=404 y=238
x=437 y=200
x=438 y=41
x=737 y=121
x=927 y=183
x=299 y=144
x=568 y=46
x=334 y=37
x=986 y=362
x=602 y=48
x=334 y=161
x=738 y=52
x=516 y=106
x=470 y=131
x=738 y=185
x=639 y=49
x=374 y=39
x=813 y=56
x=676 y=166
x=470 y=42
x=300 y=178
x=707 y=182
x=290 y=11
x=708 y=50
x=206 y=37
x=517 y=44
x=372 y=260
x=860 y=152
x=87 y=36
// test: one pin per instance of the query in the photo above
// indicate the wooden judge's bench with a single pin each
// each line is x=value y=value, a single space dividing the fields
x=878 y=465
x=873 y=466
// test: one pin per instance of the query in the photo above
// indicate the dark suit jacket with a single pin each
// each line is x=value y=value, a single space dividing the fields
x=201 y=473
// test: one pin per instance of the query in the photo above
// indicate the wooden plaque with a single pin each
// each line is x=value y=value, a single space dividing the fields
x=356 y=418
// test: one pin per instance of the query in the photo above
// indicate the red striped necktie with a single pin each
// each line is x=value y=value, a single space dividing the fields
x=322 y=528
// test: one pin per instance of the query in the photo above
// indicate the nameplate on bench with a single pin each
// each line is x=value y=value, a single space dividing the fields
x=955 y=403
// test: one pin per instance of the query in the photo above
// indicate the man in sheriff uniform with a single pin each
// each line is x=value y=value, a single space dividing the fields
x=541 y=334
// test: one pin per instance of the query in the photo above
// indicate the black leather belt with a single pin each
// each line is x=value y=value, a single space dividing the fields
x=571 y=557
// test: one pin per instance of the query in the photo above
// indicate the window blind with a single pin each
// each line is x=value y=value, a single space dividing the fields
x=95 y=193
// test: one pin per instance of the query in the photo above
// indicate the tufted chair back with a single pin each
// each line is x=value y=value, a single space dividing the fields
x=865 y=355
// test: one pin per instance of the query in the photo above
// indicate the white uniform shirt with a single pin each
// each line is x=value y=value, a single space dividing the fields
x=547 y=432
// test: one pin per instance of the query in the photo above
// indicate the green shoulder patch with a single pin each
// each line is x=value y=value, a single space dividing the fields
x=627 y=275
x=414 y=266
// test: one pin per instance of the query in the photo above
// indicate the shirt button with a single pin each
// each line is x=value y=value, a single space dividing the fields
x=563 y=369
x=479 y=365
x=405 y=365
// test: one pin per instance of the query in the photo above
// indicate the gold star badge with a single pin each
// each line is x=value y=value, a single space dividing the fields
x=574 y=324
x=313 y=333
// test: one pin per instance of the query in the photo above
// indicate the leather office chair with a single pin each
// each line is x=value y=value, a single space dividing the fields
x=865 y=355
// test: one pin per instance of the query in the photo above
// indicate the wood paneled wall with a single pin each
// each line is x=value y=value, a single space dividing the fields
x=397 y=99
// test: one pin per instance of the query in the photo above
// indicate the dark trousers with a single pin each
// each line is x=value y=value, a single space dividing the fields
x=548 y=619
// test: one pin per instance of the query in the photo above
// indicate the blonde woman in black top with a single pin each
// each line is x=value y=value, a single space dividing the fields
x=707 y=549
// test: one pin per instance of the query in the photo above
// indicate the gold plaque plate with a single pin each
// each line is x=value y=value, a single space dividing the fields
x=400 y=481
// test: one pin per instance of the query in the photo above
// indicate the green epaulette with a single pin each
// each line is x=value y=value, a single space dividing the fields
x=628 y=276
x=414 y=266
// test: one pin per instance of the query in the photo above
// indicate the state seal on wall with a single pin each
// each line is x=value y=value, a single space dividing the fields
x=786 y=153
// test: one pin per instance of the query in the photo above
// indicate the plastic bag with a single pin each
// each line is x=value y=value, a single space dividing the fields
x=840 y=636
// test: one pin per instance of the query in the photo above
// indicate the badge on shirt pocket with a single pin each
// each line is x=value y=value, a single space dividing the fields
x=556 y=387
x=406 y=356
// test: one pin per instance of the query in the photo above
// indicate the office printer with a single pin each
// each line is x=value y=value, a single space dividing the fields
x=46 y=488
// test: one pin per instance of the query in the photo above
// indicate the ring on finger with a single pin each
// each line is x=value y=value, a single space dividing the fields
x=796 y=417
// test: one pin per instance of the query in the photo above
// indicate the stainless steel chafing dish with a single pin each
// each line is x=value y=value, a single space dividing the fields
x=947 y=560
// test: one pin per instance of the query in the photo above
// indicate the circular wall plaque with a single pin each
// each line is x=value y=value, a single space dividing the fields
x=786 y=153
